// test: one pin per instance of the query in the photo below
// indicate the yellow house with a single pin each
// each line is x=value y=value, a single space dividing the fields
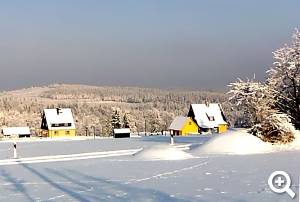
x=183 y=126
x=58 y=122
x=222 y=128
x=209 y=117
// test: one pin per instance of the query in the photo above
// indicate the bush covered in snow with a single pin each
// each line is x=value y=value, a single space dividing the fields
x=257 y=102
x=275 y=128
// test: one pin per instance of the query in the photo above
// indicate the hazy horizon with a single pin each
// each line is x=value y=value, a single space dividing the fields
x=170 y=44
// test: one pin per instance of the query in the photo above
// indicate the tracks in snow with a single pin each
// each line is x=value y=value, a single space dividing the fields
x=81 y=156
x=161 y=175
x=68 y=157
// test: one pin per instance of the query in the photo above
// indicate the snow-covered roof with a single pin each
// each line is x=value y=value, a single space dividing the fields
x=61 y=118
x=178 y=123
x=121 y=130
x=16 y=131
x=208 y=115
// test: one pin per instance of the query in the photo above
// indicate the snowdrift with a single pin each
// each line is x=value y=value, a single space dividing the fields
x=242 y=143
x=162 y=152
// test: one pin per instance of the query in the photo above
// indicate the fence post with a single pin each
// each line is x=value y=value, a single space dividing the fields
x=15 y=150
x=172 y=139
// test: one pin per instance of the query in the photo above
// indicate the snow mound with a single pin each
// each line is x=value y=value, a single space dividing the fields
x=162 y=152
x=243 y=143
x=239 y=142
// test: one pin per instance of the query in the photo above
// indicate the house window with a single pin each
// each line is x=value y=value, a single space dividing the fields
x=67 y=132
x=190 y=123
x=61 y=124
x=55 y=132
x=210 y=118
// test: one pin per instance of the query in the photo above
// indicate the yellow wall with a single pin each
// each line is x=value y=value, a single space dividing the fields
x=190 y=127
x=62 y=133
x=223 y=128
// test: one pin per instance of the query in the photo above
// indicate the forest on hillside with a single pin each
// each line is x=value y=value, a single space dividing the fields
x=93 y=106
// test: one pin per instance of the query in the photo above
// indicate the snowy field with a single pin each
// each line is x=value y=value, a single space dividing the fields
x=194 y=169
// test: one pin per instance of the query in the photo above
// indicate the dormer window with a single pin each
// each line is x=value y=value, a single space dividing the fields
x=210 y=118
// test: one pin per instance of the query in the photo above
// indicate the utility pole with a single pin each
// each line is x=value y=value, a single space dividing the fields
x=94 y=129
x=86 y=131
x=100 y=131
x=145 y=127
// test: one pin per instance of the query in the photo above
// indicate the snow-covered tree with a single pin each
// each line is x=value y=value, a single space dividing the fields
x=251 y=98
x=284 y=79
x=154 y=121
x=257 y=102
x=128 y=122
x=107 y=129
x=116 y=119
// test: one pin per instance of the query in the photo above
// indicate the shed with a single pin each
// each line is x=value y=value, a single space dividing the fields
x=183 y=126
x=209 y=117
x=121 y=133
x=58 y=122
x=16 y=131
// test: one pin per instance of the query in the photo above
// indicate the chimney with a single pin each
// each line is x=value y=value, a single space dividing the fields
x=207 y=103
x=57 y=111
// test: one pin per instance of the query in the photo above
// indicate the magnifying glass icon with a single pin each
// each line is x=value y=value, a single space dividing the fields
x=280 y=182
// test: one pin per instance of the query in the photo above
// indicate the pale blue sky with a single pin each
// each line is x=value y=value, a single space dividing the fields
x=195 y=44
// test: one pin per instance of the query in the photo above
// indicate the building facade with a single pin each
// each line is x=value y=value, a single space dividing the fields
x=58 y=122
x=121 y=133
x=209 y=117
x=16 y=132
x=183 y=126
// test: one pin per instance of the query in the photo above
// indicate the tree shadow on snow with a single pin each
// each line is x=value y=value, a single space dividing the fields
x=52 y=183
x=18 y=187
x=82 y=187
x=107 y=190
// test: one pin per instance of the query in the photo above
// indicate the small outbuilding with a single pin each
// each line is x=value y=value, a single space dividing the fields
x=209 y=117
x=183 y=126
x=58 y=122
x=16 y=132
x=121 y=133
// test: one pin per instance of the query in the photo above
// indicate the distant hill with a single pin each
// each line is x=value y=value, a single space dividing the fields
x=94 y=105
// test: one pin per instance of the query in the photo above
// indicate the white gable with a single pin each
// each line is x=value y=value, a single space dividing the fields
x=121 y=130
x=178 y=123
x=16 y=131
x=208 y=116
x=61 y=118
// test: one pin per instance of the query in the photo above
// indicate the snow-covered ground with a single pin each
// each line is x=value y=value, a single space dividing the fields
x=231 y=167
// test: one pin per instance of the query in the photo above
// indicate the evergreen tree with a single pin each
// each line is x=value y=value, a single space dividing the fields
x=107 y=129
x=126 y=121
x=116 y=119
